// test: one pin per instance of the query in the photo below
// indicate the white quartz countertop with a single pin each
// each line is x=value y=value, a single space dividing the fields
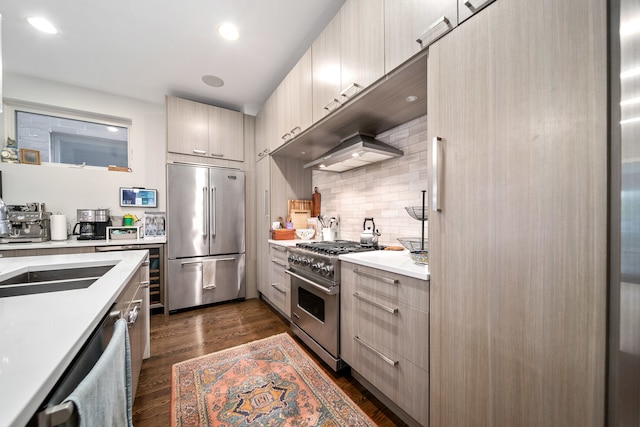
x=74 y=243
x=41 y=334
x=399 y=262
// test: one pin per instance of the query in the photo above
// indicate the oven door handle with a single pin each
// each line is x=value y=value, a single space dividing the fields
x=329 y=291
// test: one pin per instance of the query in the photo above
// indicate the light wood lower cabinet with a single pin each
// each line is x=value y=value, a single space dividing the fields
x=385 y=334
x=133 y=304
x=278 y=289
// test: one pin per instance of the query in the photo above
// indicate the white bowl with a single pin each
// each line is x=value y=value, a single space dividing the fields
x=305 y=233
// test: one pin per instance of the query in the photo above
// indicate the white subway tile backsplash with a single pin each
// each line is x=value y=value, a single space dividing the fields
x=381 y=190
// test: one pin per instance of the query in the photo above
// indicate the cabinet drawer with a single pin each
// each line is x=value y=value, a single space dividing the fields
x=393 y=287
x=277 y=251
x=400 y=380
x=278 y=291
x=393 y=328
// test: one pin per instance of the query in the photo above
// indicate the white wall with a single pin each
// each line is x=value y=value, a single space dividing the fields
x=64 y=189
x=381 y=190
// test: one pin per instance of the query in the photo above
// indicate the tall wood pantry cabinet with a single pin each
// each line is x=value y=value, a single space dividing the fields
x=517 y=129
x=278 y=180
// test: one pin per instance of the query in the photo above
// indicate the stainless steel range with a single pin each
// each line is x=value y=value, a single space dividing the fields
x=315 y=295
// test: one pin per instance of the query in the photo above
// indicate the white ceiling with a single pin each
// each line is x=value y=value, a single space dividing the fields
x=146 y=49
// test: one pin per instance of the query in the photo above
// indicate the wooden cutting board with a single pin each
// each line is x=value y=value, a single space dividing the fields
x=299 y=217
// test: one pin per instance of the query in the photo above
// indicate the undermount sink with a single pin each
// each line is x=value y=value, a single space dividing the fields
x=36 y=280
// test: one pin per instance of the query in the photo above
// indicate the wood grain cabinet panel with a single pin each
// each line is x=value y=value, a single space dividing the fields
x=187 y=126
x=203 y=130
x=266 y=127
x=277 y=181
x=362 y=45
x=518 y=296
x=226 y=134
x=385 y=334
x=279 y=292
x=412 y=25
x=294 y=101
x=325 y=59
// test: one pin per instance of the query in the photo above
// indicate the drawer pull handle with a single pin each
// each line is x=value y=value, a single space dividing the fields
x=275 y=286
x=144 y=284
x=373 y=276
x=432 y=33
x=216 y=155
x=376 y=352
x=436 y=165
x=333 y=102
x=132 y=316
x=376 y=304
x=199 y=151
x=475 y=8
x=279 y=248
x=345 y=93
x=278 y=261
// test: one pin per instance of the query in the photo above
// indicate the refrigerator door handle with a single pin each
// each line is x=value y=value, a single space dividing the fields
x=214 y=204
x=205 y=212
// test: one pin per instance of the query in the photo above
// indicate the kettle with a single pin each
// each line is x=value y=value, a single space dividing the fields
x=369 y=237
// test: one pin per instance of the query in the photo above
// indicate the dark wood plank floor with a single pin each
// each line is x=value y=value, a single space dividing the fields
x=194 y=333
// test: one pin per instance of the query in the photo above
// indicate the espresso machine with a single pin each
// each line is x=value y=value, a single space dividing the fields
x=27 y=223
x=92 y=224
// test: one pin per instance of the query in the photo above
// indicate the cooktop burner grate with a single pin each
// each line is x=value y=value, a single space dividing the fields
x=338 y=247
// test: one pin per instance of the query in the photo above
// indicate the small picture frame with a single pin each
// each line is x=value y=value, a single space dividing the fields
x=29 y=157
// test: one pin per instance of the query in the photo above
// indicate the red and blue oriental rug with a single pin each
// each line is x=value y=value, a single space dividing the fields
x=269 y=382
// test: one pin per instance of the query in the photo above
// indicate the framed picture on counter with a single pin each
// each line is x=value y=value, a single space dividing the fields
x=29 y=157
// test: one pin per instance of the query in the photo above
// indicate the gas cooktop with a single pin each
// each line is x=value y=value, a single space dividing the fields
x=339 y=247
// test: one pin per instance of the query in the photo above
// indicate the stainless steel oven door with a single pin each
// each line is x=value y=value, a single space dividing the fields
x=316 y=310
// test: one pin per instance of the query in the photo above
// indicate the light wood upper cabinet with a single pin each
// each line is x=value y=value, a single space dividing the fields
x=348 y=55
x=362 y=47
x=226 y=134
x=266 y=127
x=412 y=25
x=204 y=130
x=294 y=100
x=187 y=126
x=325 y=52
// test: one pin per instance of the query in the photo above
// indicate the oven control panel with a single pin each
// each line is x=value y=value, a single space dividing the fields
x=316 y=265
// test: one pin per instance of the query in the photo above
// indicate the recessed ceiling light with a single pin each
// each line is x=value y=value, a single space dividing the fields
x=228 y=31
x=214 y=81
x=42 y=24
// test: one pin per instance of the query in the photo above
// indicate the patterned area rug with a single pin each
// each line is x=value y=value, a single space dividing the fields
x=269 y=382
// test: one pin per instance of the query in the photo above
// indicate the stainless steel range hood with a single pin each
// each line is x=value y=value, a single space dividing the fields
x=353 y=152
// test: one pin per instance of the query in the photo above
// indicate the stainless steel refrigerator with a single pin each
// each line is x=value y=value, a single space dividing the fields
x=624 y=290
x=205 y=235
